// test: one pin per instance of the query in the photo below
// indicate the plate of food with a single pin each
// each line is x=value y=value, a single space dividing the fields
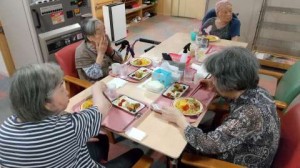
x=87 y=104
x=176 y=90
x=141 y=62
x=140 y=73
x=188 y=106
x=128 y=104
x=212 y=38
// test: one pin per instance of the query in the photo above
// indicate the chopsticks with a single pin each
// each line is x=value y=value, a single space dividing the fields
x=199 y=86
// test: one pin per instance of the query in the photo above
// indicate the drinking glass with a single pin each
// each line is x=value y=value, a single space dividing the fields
x=112 y=91
x=188 y=75
x=123 y=71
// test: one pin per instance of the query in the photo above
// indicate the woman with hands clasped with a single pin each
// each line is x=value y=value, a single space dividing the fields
x=249 y=135
x=95 y=55
x=41 y=134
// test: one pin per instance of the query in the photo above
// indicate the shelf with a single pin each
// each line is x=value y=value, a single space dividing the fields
x=274 y=60
x=281 y=27
x=283 y=47
x=283 y=10
x=142 y=6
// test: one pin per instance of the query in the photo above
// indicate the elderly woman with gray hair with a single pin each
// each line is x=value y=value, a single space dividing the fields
x=249 y=135
x=222 y=22
x=41 y=134
x=94 y=56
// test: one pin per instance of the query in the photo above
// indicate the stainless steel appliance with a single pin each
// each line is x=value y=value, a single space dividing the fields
x=36 y=29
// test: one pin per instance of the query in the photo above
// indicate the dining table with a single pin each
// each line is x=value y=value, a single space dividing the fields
x=160 y=135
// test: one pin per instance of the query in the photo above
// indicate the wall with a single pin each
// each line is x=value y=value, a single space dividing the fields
x=182 y=8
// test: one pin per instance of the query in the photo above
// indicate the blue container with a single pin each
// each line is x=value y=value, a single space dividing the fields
x=163 y=76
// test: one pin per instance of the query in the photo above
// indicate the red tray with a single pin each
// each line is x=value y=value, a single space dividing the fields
x=204 y=96
x=117 y=119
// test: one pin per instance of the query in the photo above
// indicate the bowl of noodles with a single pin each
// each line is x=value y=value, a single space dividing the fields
x=188 y=106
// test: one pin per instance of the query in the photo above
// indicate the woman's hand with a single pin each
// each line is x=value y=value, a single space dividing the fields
x=207 y=84
x=171 y=114
x=99 y=99
x=101 y=47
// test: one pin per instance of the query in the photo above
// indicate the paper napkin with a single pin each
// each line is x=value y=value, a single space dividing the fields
x=135 y=134
x=118 y=82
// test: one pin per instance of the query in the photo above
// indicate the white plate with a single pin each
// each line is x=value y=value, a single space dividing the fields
x=176 y=90
x=143 y=72
x=123 y=101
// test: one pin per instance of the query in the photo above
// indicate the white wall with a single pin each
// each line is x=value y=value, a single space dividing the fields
x=3 y=69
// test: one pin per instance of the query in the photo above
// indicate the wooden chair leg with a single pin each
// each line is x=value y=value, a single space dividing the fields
x=111 y=137
x=143 y=162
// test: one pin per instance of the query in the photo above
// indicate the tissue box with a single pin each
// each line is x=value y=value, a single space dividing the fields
x=163 y=76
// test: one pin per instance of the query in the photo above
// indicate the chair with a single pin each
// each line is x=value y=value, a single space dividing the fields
x=288 y=85
x=66 y=59
x=288 y=153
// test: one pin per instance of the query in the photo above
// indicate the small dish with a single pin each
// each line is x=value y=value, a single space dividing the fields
x=141 y=62
x=188 y=106
x=128 y=104
x=140 y=74
x=176 y=90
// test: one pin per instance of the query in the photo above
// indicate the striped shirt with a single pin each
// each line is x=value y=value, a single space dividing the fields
x=57 y=141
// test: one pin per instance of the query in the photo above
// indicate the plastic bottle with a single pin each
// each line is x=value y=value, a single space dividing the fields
x=184 y=54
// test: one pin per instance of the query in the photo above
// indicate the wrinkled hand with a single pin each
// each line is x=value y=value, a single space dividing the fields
x=99 y=87
x=208 y=29
x=173 y=115
x=99 y=99
x=102 y=44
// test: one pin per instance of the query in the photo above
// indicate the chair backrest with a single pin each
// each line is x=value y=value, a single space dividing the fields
x=289 y=86
x=66 y=59
x=288 y=153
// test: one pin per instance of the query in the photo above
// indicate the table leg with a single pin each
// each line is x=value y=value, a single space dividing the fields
x=172 y=163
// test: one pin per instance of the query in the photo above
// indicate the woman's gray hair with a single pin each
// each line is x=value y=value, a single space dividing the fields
x=234 y=68
x=31 y=88
x=88 y=27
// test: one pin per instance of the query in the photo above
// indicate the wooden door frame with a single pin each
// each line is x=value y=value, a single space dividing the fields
x=8 y=61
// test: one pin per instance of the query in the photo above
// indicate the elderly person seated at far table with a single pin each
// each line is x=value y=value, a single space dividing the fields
x=95 y=55
x=223 y=25
x=41 y=134
x=249 y=135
